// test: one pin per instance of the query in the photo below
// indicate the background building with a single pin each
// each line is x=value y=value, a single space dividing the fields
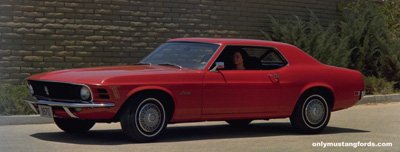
x=40 y=35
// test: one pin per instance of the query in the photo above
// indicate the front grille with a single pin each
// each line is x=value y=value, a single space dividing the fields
x=56 y=91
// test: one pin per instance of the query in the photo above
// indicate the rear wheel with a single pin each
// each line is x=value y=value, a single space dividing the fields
x=311 y=114
x=238 y=123
x=144 y=118
x=73 y=125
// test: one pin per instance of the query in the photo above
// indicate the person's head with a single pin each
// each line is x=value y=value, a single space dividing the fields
x=239 y=57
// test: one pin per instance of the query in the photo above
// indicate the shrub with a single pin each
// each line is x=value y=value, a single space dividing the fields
x=392 y=16
x=323 y=43
x=11 y=100
x=361 y=39
x=375 y=85
x=375 y=52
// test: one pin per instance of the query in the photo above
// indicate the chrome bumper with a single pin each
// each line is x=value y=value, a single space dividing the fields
x=66 y=105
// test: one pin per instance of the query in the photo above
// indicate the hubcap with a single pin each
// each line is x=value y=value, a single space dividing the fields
x=315 y=111
x=150 y=117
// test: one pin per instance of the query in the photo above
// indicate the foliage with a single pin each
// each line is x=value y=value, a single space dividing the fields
x=392 y=16
x=11 y=100
x=375 y=51
x=375 y=85
x=362 y=39
x=323 y=43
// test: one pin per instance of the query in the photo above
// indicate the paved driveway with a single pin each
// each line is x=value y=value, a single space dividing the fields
x=364 y=123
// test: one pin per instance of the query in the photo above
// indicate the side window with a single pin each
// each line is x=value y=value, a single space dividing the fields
x=254 y=58
x=272 y=60
x=264 y=58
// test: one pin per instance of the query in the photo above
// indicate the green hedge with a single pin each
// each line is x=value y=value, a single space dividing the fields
x=12 y=100
x=363 y=39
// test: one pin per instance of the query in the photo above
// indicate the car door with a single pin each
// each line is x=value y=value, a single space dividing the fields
x=241 y=91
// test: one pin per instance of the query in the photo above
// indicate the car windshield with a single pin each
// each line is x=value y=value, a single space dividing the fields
x=182 y=54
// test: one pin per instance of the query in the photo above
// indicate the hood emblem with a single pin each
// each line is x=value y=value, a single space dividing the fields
x=46 y=90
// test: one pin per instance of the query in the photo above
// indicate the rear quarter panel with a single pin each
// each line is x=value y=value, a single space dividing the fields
x=345 y=84
x=305 y=72
x=297 y=79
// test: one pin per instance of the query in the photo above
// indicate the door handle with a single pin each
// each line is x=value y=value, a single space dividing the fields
x=274 y=77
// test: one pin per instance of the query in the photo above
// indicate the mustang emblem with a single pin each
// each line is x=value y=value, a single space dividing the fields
x=46 y=90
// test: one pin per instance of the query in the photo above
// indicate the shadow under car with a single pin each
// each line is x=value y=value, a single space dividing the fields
x=187 y=133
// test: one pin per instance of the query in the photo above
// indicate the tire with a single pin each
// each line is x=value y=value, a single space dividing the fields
x=73 y=125
x=239 y=123
x=144 y=118
x=311 y=114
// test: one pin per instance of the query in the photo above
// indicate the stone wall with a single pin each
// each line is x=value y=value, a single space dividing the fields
x=44 y=35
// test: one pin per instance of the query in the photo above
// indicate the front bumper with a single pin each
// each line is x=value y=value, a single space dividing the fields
x=66 y=105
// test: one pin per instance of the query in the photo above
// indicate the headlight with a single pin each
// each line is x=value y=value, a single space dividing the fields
x=31 y=89
x=85 y=93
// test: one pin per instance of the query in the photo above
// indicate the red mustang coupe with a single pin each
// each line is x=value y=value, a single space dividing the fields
x=199 y=79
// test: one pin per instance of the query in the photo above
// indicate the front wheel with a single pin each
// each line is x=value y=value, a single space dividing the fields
x=144 y=119
x=73 y=125
x=311 y=114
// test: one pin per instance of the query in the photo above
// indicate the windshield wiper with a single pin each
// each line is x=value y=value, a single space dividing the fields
x=171 y=64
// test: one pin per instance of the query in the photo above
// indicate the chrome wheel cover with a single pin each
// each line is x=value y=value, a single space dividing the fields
x=150 y=117
x=315 y=111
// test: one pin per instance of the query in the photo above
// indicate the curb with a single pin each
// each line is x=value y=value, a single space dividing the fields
x=24 y=119
x=374 y=99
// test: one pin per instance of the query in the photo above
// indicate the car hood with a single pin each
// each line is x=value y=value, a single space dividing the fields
x=101 y=75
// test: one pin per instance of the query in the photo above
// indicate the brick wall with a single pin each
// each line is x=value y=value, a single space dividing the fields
x=40 y=35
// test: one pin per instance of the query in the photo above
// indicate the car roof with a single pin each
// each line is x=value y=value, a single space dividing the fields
x=230 y=41
x=293 y=54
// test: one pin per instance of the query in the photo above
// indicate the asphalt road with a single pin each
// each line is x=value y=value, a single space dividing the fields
x=364 y=123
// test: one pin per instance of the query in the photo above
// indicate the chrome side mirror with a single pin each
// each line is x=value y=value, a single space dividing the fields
x=218 y=66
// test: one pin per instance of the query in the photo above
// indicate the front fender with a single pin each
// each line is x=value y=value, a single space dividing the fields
x=144 y=88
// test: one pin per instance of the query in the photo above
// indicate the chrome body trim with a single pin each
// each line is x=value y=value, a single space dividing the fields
x=32 y=107
x=222 y=47
x=70 y=113
x=71 y=105
x=204 y=67
x=66 y=105
x=264 y=46
x=60 y=100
